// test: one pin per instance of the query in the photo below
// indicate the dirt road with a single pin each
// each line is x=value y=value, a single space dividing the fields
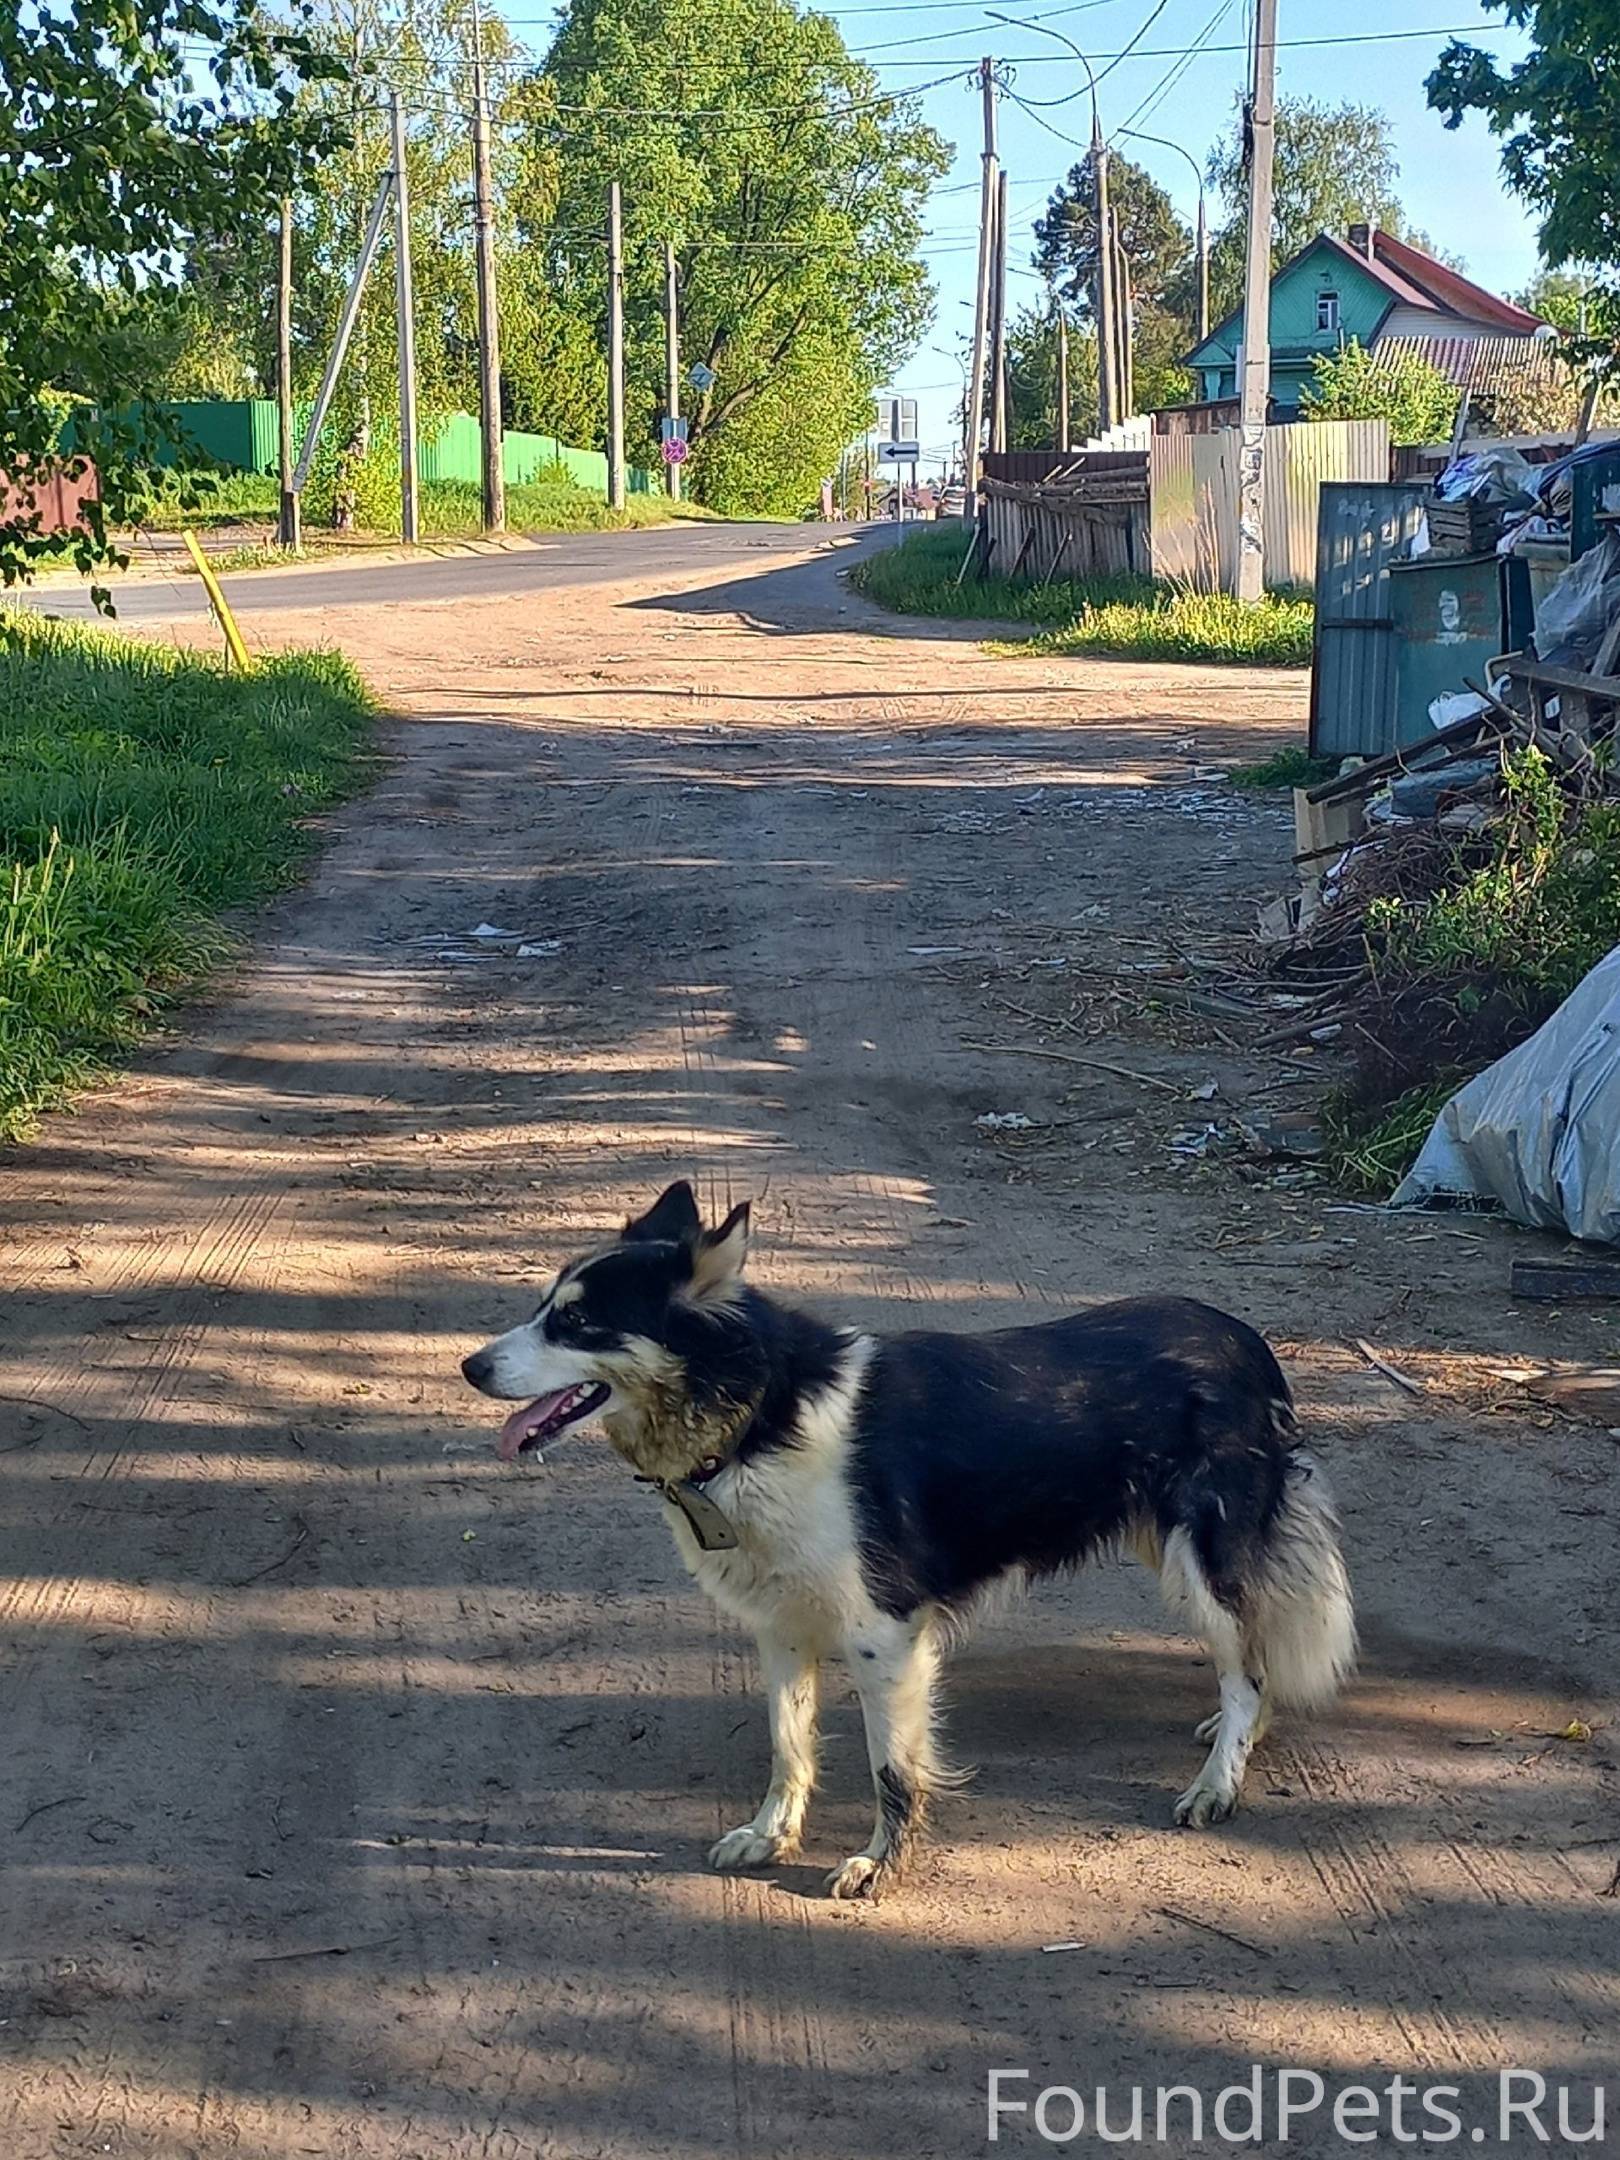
x=355 y=1788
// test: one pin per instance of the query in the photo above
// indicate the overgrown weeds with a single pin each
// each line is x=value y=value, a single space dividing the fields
x=1290 y=767
x=1461 y=974
x=1121 y=617
x=142 y=792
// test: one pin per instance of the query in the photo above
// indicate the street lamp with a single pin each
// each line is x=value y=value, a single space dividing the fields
x=1102 y=283
x=1165 y=143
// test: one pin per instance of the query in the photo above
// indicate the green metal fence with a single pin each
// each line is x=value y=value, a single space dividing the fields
x=240 y=433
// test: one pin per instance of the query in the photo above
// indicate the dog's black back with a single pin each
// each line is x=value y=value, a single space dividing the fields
x=1034 y=1446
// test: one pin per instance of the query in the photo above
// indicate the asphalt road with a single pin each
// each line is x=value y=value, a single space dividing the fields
x=555 y=560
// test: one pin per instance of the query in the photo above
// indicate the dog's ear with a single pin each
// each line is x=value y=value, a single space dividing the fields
x=717 y=1263
x=672 y=1219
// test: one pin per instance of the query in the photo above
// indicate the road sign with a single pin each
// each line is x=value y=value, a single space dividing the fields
x=676 y=450
x=899 y=453
x=897 y=419
x=672 y=430
x=701 y=377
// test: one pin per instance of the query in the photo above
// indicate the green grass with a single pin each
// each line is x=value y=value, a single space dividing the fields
x=454 y=509
x=1371 y=1151
x=1467 y=972
x=201 y=499
x=142 y=792
x=1123 y=617
x=1287 y=768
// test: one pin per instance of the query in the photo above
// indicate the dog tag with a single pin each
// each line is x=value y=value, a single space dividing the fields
x=709 y=1525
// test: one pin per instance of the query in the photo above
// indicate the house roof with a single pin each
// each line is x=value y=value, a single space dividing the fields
x=1448 y=289
x=1409 y=276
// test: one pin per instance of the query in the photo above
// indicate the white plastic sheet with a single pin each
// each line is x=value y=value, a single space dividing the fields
x=1539 y=1131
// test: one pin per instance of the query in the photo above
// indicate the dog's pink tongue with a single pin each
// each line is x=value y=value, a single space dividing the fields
x=522 y=1422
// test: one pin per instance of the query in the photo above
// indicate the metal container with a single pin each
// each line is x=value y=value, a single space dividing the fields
x=1362 y=528
x=1447 y=616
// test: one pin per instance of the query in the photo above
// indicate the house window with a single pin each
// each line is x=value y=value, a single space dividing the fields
x=1327 y=311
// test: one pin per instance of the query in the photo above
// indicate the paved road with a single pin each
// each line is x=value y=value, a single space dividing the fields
x=556 y=560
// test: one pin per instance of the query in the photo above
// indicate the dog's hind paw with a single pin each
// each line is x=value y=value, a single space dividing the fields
x=860 y=1877
x=1201 y=1804
x=746 y=1848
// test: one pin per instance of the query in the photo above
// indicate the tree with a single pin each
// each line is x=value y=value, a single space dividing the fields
x=1335 y=166
x=1418 y=401
x=1158 y=248
x=1032 y=380
x=793 y=189
x=1557 y=112
x=121 y=145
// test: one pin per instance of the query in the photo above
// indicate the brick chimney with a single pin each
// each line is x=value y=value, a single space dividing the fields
x=1361 y=238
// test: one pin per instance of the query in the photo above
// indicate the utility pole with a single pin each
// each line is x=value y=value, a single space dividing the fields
x=998 y=320
x=615 y=350
x=1126 y=328
x=1203 y=268
x=405 y=307
x=489 y=328
x=981 y=313
x=345 y=331
x=1102 y=289
x=1062 y=380
x=291 y=521
x=1256 y=361
x=672 y=357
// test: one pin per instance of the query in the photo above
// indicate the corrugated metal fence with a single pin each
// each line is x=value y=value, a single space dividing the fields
x=1363 y=528
x=1193 y=494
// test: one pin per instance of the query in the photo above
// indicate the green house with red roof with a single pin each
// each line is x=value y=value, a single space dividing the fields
x=1382 y=292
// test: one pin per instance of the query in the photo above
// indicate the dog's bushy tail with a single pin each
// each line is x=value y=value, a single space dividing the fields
x=1302 y=1619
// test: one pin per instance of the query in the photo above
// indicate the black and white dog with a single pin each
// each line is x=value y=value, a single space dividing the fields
x=853 y=1496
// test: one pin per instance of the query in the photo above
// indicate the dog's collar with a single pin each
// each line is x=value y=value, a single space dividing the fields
x=709 y=1524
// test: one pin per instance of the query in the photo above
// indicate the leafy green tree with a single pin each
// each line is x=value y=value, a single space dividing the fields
x=128 y=130
x=1403 y=388
x=1158 y=246
x=1557 y=113
x=793 y=189
x=1335 y=166
x=1032 y=381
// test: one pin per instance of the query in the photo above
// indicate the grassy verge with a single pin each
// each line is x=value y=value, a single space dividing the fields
x=1462 y=975
x=1125 y=617
x=453 y=509
x=142 y=791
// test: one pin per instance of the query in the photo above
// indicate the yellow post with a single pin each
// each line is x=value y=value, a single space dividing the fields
x=216 y=599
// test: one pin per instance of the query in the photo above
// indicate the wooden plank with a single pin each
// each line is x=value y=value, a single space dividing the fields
x=1553 y=1281
x=1561 y=678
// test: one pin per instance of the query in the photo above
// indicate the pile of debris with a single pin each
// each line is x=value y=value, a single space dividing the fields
x=1495 y=499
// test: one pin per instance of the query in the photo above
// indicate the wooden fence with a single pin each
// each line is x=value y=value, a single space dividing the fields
x=1082 y=521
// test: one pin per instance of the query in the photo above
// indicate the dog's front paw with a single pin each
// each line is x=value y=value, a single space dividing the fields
x=746 y=1848
x=1202 y=1804
x=860 y=1877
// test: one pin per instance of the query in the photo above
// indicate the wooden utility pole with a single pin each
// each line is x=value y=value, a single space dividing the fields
x=615 y=349
x=1062 y=380
x=1255 y=384
x=998 y=323
x=291 y=521
x=405 y=308
x=1203 y=269
x=489 y=328
x=1102 y=284
x=672 y=356
x=981 y=313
